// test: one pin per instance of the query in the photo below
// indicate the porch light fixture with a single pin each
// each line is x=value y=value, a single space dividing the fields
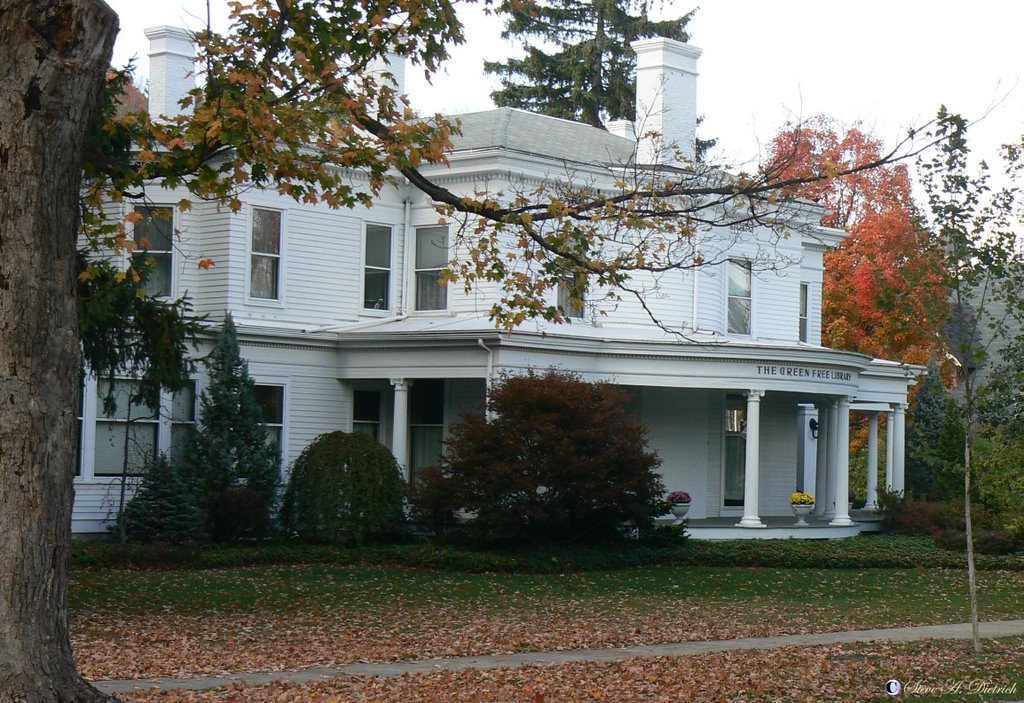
x=814 y=428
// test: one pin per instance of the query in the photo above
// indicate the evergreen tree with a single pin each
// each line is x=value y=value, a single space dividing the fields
x=588 y=75
x=163 y=509
x=933 y=463
x=229 y=450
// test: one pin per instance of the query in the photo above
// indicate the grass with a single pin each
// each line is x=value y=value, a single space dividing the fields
x=874 y=596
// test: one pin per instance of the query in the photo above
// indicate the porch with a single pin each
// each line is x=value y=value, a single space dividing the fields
x=784 y=527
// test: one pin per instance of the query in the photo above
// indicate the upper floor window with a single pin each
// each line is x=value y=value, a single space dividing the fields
x=265 y=266
x=805 y=306
x=570 y=307
x=431 y=259
x=739 y=297
x=377 y=268
x=154 y=239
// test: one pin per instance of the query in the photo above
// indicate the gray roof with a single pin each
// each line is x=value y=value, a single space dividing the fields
x=527 y=132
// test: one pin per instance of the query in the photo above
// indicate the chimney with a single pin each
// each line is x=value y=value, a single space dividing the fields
x=393 y=64
x=171 y=63
x=621 y=128
x=666 y=99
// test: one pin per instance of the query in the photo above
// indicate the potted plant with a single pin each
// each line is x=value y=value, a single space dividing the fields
x=802 y=505
x=853 y=499
x=679 y=504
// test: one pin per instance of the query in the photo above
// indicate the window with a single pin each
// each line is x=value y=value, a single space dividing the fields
x=426 y=425
x=377 y=268
x=572 y=309
x=183 y=420
x=739 y=297
x=805 y=304
x=127 y=429
x=431 y=259
x=735 y=450
x=265 y=266
x=154 y=240
x=366 y=413
x=271 y=402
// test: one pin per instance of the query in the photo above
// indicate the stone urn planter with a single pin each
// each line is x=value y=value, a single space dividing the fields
x=679 y=510
x=802 y=511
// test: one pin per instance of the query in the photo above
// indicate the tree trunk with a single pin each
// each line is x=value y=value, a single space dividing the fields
x=55 y=55
x=972 y=583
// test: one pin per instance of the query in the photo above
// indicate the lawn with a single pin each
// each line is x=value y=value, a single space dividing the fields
x=172 y=623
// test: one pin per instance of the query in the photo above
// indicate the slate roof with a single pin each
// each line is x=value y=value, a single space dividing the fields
x=528 y=132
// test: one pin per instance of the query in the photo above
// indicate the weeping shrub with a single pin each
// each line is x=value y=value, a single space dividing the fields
x=344 y=487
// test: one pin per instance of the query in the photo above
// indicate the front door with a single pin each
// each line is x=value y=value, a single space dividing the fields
x=735 y=451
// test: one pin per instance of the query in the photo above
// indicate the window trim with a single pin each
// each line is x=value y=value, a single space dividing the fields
x=173 y=285
x=363 y=266
x=804 y=313
x=416 y=270
x=281 y=381
x=279 y=301
x=749 y=266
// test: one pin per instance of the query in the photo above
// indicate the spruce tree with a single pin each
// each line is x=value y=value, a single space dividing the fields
x=588 y=74
x=229 y=455
x=164 y=509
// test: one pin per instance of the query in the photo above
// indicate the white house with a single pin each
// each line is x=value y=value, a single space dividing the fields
x=344 y=325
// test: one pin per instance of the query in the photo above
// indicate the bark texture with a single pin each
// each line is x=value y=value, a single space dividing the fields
x=55 y=55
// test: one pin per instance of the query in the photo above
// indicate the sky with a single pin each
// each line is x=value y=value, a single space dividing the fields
x=887 y=64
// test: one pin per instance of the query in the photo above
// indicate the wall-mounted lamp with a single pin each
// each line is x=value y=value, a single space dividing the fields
x=814 y=428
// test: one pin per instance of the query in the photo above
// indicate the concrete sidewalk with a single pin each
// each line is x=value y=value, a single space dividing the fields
x=1003 y=628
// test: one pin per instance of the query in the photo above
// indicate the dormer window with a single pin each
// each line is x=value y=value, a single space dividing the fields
x=739 y=303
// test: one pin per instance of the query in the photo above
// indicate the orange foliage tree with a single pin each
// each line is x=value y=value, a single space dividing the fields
x=883 y=293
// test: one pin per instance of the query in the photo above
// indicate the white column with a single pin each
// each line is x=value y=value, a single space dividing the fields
x=400 y=424
x=889 y=422
x=898 y=448
x=751 y=468
x=806 y=479
x=871 y=498
x=842 y=487
x=835 y=420
x=821 y=470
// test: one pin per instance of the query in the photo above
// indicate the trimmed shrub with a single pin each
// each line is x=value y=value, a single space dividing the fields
x=344 y=487
x=163 y=510
x=985 y=542
x=558 y=460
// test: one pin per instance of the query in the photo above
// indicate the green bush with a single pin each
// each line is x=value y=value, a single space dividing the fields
x=985 y=542
x=344 y=487
x=163 y=510
x=558 y=460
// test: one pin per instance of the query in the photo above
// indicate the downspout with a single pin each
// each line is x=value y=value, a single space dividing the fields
x=696 y=292
x=490 y=373
x=408 y=252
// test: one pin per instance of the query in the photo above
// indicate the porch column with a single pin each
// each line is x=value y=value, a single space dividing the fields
x=889 y=422
x=842 y=492
x=806 y=478
x=751 y=467
x=835 y=420
x=821 y=470
x=400 y=424
x=871 y=499
x=899 y=448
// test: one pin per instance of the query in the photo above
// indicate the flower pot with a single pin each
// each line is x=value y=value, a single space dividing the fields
x=679 y=510
x=802 y=511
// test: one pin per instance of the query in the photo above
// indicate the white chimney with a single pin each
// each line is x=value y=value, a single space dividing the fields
x=171 y=64
x=621 y=128
x=666 y=99
x=393 y=64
